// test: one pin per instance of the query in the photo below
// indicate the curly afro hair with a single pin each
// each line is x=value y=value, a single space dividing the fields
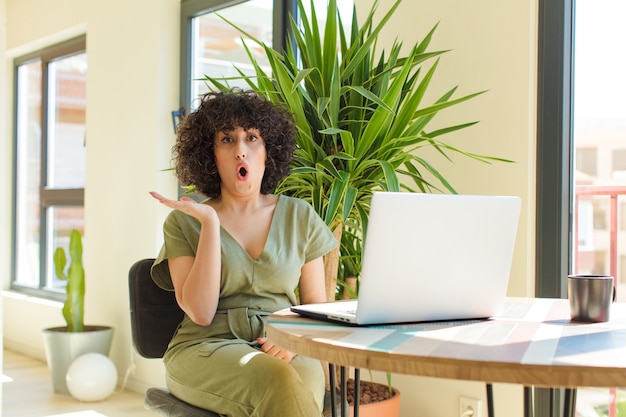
x=193 y=153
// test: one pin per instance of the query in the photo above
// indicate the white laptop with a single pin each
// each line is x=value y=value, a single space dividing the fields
x=430 y=257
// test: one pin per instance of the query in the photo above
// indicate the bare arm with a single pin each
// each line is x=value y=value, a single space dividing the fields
x=197 y=279
x=312 y=282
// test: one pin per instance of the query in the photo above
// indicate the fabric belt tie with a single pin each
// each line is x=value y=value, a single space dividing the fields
x=246 y=323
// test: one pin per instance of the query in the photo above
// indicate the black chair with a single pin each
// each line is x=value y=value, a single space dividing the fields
x=154 y=316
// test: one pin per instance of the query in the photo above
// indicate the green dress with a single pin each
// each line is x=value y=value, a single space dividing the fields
x=218 y=367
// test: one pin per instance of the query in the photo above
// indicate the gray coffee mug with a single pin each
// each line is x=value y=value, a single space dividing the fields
x=590 y=297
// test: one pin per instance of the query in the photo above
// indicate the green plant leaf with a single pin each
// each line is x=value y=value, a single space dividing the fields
x=60 y=260
x=337 y=192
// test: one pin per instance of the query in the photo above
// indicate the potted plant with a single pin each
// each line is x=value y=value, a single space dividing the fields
x=362 y=122
x=66 y=343
x=375 y=399
x=360 y=117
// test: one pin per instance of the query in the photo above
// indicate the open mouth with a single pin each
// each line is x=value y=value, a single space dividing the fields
x=242 y=172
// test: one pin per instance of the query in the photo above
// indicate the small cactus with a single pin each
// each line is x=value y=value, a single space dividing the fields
x=74 y=307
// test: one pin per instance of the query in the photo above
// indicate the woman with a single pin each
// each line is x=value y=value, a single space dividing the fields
x=237 y=257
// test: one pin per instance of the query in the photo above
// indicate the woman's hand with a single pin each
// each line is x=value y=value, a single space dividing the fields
x=188 y=206
x=275 y=351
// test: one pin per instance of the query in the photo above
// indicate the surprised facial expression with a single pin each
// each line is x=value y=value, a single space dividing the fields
x=240 y=157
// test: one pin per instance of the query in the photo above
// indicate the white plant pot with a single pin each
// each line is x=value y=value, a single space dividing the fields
x=62 y=347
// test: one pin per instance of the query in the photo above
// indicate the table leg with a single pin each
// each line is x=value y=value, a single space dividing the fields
x=357 y=391
x=569 y=404
x=528 y=402
x=490 y=412
x=333 y=391
x=344 y=388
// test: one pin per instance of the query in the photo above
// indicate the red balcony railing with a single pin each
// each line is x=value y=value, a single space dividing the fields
x=612 y=192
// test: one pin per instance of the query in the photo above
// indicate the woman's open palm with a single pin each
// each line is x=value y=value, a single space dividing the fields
x=186 y=205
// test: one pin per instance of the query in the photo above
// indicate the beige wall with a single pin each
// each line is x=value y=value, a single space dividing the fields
x=133 y=86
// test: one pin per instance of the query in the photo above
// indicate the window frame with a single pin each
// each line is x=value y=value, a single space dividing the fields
x=49 y=197
x=554 y=186
x=554 y=147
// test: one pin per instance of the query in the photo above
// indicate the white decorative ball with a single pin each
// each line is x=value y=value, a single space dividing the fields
x=91 y=377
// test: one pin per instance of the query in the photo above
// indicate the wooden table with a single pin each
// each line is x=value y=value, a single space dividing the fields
x=532 y=342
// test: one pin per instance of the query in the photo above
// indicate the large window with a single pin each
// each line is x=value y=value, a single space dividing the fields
x=219 y=50
x=211 y=46
x=49 y=160
x=599 y=136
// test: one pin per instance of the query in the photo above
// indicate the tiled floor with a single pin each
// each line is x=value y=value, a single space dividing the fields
x=27 y=392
